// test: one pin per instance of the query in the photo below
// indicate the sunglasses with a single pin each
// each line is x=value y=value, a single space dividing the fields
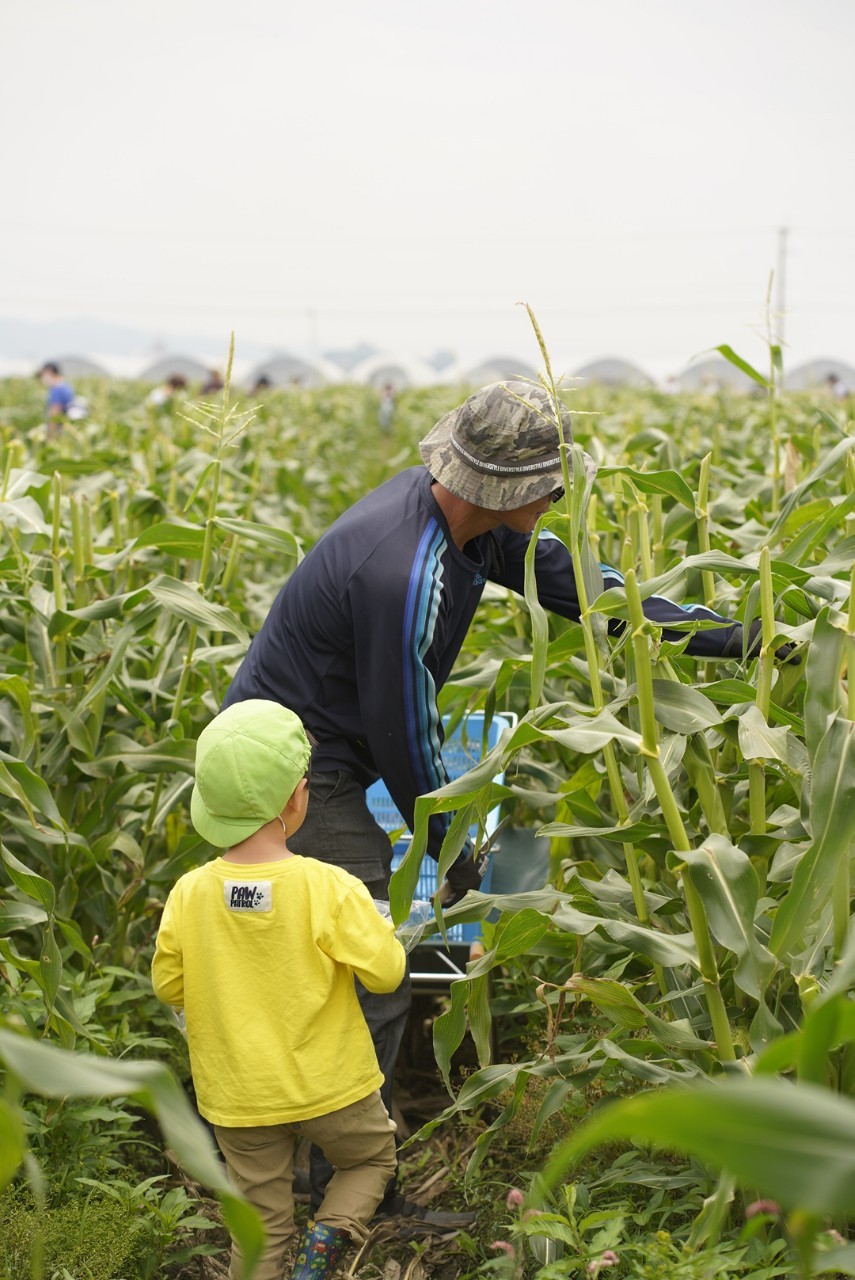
x=557 y=494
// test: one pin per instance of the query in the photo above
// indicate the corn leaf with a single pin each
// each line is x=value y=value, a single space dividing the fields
x=449 y=1029
x=539 y=626
x=185 y=601
x=793 y=1144
x=669 y=483
x=29 y=882
x=281 y=541
x=184 y=540
x=738 y=362
x=681 y=708
x=727 y=883
x=824 y=665
x=25 y=515
x=13 y=1143
x=832 y=821
x=759 y=741
x=514 y=937
x=118 y=750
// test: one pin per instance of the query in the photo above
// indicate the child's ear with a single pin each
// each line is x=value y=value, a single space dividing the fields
x=297 y=794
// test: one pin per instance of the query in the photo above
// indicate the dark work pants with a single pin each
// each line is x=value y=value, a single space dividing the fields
x=339 y=828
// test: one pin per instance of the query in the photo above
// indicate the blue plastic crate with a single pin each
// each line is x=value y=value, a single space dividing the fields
x=461 y=750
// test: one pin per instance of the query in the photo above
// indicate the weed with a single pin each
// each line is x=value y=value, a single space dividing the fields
x=92 y=1238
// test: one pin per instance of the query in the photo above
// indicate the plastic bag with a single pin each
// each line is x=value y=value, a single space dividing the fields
x=410 y=931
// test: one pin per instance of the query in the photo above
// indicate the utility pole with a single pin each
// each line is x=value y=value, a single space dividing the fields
x=781 y=284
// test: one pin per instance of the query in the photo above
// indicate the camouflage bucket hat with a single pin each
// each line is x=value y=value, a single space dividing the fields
x=499 y=449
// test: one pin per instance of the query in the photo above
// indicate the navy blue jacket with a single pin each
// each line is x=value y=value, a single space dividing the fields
x=365 y=632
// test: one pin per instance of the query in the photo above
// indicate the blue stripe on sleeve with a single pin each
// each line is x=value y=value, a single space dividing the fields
x=424 y=593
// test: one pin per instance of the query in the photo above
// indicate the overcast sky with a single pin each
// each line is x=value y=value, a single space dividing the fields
x=403 y=173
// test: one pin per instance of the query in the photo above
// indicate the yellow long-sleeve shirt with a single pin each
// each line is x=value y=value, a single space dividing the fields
x=262 y=958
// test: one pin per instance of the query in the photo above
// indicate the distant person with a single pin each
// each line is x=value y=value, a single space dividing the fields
x=214 y=383
x=837 y=386
x=61 y=403
x=387 y=408
x=261 y=384
x=260 y=948
x=174 y=387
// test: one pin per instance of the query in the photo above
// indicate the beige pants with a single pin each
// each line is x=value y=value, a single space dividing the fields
x=357 y=1140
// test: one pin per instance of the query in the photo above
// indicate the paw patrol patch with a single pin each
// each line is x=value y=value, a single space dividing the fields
x=249 y=895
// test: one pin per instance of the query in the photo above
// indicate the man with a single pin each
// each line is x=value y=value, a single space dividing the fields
x=366 y=630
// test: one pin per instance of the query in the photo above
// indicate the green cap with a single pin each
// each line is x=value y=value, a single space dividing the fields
x=248 y=763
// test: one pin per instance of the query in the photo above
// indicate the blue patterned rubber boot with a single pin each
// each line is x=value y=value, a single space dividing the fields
x=318 y=1252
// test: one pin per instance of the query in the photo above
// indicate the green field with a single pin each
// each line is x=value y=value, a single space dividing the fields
x=693 y=936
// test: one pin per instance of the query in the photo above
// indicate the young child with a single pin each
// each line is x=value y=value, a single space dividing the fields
x=260 y=948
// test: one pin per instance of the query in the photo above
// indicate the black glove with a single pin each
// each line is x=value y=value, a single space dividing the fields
x=465 y=874
x=733 y=648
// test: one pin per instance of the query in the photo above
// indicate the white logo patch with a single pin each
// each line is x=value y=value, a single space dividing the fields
x=249 y=895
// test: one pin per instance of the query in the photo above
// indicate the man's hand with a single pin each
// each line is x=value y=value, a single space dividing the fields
x=784 y=652
x=467 y=873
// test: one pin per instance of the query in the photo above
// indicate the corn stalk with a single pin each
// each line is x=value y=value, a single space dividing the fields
x=673 y=820
x=574 y=507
